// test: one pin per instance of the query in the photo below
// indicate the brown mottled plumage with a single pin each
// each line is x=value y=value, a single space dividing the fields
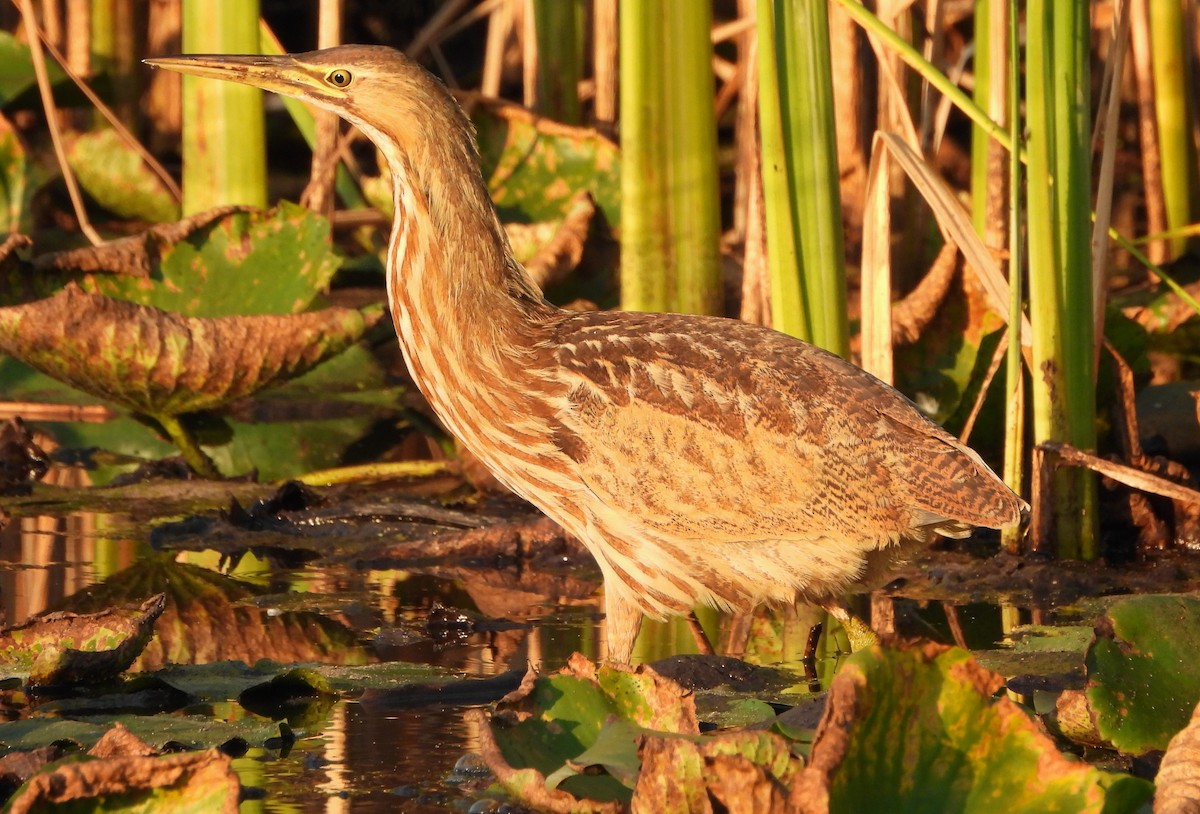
x=701 y=460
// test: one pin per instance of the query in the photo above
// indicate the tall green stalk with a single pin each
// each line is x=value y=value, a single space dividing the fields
x=670 y=216
x=647 y=279
x=695 y=186
x=224 y=151
x=796 y=99
x=788 y=311
x=1174 y=108
x=1060 y=287
x=1014 y=424
x=557 y=29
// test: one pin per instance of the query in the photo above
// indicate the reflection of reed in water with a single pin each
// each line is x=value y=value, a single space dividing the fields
x=57 y=555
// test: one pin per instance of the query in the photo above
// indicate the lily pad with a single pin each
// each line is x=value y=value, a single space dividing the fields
x=534 y=165
x=563 y=720
x=69 y=648
x=118 y=179
x=171 y=784
x=1144 y=670
x=164 y=364
x=918 y=729
x=225 y=262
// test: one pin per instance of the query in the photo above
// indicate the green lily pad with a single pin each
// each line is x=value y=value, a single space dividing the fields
x=118 y=179
x=920 y=730
x=225 y=262
x=1144 y=670
x=164 y=364
x=534 y=166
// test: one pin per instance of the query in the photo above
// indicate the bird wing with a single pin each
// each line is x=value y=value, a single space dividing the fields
x=717 y=429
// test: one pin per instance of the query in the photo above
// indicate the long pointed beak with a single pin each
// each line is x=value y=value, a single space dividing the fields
x=281 y=74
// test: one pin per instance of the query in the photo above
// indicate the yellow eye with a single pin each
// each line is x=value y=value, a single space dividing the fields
x=339 y=78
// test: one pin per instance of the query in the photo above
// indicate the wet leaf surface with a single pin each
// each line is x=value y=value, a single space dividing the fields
x=161 y=363
x=1144 y=670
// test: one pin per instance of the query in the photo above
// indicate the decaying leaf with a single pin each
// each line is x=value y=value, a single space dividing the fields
x=556 y=719
x=134 y=256
x=199 y=782
x=561 y=253
x=69 y=648
x=1178 y=778
x=744 y=771
x=163 y=364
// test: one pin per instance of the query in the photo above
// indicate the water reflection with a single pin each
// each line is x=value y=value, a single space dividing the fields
x=361 y=758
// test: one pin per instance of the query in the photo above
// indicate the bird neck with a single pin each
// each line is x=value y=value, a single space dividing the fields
x=467 y=315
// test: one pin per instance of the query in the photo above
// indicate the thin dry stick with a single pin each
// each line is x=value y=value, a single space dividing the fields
x=529 y=53
x=1113 y=71
x=43 y=81
x=105 y=111
x=604 y=62
x=997 y=361
x=318 y=193
x=1143 y=71
x=499 y=30
x=1128 y=475
x=432 y=30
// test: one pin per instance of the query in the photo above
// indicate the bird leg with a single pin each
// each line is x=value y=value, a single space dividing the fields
x=623 y=620
x=702 y=643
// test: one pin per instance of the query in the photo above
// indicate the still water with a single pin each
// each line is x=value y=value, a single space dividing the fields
x=366 y=753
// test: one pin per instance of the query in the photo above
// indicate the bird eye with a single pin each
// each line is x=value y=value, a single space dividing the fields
x=339 y=78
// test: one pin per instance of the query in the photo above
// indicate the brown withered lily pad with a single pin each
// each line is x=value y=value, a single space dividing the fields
x=187 y=782
x=1178 y=778
x=68 y=648
x=163 y=364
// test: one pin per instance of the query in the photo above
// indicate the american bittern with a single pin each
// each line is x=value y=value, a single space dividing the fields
x=702 y=461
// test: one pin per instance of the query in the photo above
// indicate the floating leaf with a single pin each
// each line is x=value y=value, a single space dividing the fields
x=172 y=784
x=163 y=364
x=118 y=179
x=918 y=730
x=69 y=648
x=1144 y=670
